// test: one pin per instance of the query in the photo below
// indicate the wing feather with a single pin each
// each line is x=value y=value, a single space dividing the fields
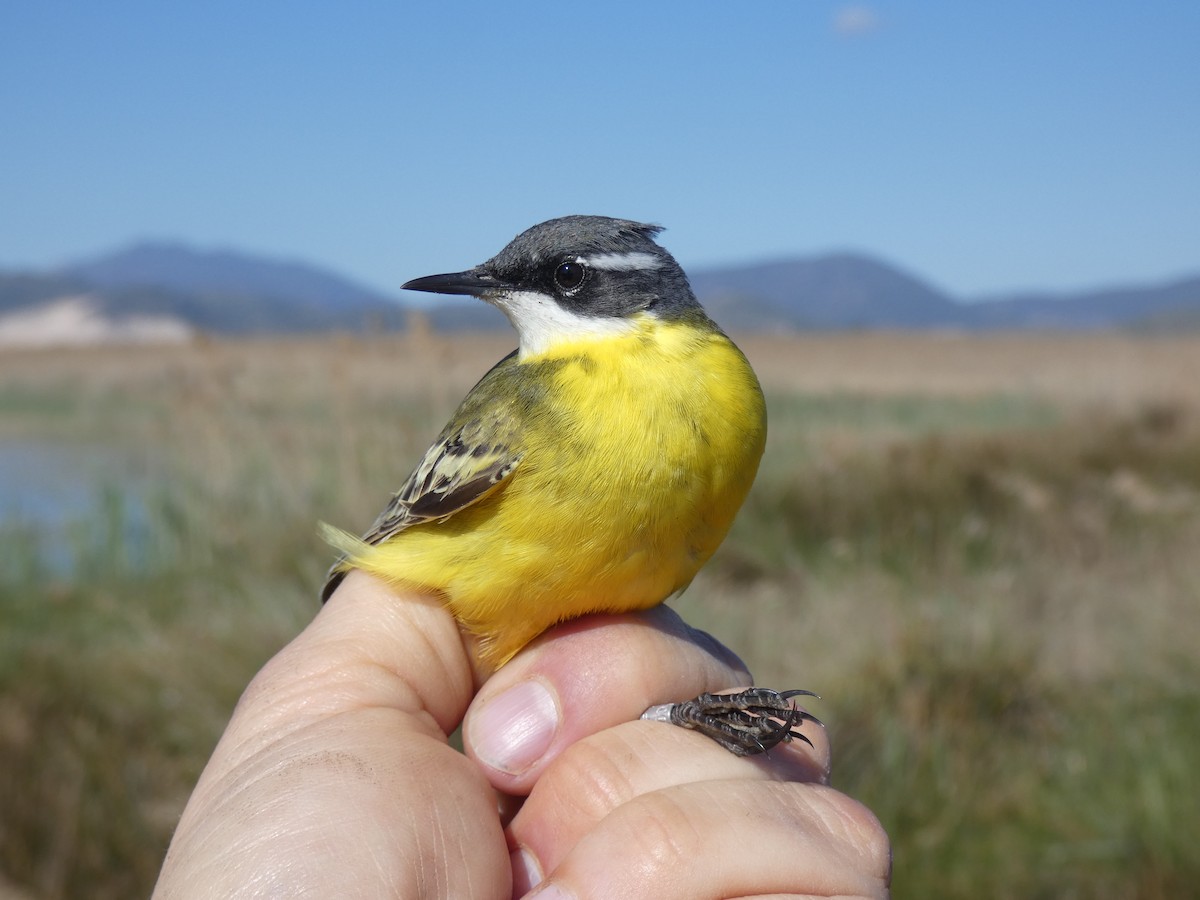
x=473 y=457
x=457 y=471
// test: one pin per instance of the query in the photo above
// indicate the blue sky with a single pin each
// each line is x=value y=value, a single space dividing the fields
x=986 y=147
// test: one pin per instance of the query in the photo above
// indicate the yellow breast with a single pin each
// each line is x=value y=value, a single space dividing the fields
x=634 y=466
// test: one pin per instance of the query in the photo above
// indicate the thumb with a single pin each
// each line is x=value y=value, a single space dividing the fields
x=369 y=647
x=335 y=765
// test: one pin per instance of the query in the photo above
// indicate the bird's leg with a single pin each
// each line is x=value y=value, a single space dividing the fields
x=752 y=721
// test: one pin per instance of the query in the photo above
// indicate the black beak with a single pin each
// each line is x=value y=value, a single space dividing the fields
x=472 y=282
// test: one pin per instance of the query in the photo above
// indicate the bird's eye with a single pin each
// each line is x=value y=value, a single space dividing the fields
x=569 y=275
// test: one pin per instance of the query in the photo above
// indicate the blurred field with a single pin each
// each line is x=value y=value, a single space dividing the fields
x=981 y=551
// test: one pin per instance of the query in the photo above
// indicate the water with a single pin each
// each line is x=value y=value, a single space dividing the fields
x=46 y=485
x=58 y=491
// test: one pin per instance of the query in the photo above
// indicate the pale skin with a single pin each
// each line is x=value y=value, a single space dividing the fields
x=335 y=777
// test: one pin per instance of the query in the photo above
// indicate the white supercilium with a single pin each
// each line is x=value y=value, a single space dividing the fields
x=622 y=262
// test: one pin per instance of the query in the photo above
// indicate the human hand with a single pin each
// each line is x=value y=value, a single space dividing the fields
x=335 y=777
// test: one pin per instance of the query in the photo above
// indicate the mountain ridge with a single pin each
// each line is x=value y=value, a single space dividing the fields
x=843 y=289
x=233 y=292
x=177 y=265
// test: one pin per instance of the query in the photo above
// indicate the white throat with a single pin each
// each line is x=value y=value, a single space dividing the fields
x=542 y=324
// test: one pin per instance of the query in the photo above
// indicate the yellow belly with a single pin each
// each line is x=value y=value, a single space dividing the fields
x=625 y=490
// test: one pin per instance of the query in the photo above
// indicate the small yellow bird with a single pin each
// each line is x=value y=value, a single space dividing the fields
x=594 y=469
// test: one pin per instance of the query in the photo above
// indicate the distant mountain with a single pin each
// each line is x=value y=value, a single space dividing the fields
x=1106 y=308
x=842 y=290
x=854 y=291
x=220 y=291
x=182 y=290
x=185 y=269
x=19 y=290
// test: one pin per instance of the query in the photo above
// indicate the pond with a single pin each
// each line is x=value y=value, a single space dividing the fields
x=53 y=494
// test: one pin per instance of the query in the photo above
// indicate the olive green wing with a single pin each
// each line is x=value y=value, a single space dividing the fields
x=472 y=458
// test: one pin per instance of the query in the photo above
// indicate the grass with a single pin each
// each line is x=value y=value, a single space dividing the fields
x=980 y=551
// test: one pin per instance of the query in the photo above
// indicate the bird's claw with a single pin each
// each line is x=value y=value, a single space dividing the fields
x=746 y=723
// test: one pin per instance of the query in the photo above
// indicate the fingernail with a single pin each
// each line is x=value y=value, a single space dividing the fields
x=514 y=730
x=551 y=892
x=526 y=871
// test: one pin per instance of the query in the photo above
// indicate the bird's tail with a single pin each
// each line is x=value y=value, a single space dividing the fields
x=348 y=547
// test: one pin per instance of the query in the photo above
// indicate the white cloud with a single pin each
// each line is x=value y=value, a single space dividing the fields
x=854 y=20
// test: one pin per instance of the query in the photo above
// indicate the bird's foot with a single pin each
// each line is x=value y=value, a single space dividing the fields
x=752 y=721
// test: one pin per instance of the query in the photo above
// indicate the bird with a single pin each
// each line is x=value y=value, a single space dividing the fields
x=595 y=468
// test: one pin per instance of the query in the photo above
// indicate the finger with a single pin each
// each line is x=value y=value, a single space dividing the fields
x=582 y=677
x=729 y=839
x=601 y=774
x=335 y=768
x=369 y=647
